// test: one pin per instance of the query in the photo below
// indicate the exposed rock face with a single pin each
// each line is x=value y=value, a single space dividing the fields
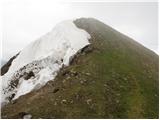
x=5 y=67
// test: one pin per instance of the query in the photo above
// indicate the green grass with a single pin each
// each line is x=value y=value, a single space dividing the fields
x=118 y=79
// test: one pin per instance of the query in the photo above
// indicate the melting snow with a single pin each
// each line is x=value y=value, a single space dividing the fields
x=44 y=57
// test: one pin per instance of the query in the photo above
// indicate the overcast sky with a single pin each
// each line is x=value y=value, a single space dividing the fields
x=27 y=20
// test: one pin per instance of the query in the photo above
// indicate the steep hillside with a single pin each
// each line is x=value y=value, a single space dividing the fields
x=113 y=77
x=40 y=61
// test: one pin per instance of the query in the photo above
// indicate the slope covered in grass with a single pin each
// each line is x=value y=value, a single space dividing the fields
x=114 y=77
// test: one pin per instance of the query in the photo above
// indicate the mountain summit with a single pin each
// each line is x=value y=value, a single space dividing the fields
x=81 y=69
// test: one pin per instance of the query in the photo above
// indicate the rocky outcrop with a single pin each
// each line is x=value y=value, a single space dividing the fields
x=6 y=67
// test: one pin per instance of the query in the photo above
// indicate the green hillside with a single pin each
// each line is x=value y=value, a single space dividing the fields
x=113 y=77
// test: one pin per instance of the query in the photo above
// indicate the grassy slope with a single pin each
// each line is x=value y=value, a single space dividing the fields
x=117 y=79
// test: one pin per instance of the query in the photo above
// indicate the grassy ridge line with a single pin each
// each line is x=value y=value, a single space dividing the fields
x=118 y=78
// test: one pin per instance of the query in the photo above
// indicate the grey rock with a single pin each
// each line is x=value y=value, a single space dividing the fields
x=28 y=116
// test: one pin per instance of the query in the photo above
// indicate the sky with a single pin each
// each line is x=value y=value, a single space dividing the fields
x=27 y=20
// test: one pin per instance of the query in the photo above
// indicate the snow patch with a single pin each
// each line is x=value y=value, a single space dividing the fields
x=26 y=86
x=43 y=57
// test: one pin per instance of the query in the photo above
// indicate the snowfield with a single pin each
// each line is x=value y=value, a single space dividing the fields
x=40 y=61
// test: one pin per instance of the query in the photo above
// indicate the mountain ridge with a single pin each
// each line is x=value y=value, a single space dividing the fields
x=113 y=77
x=42 y=58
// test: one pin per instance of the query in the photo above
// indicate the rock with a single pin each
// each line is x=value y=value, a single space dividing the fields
x=55 y=103
x=74 y=73
x=14 y=101
x=55 y=90
x=89 y=101
x=14 y=83
x=21 y=114
x=88 y=74
x=28 y=75
x=72 y=58
x=81 y=81
x=28 y=116
x=5 y=68
x=118 y=94
x=86 y=49
x=64 y=101
x=65 y=73
x=71 y=101
x=11 y=97
x=68 y=77
x=117 y=101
